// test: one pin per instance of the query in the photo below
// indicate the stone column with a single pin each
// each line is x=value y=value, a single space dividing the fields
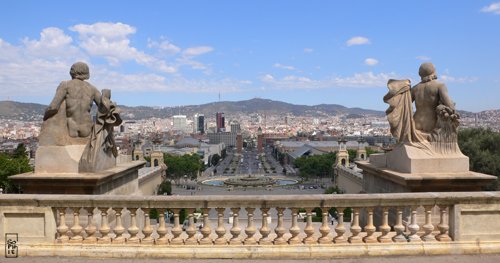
x=428 y=227
x=220 y=231
x=324 y=229
x=162 y=229
x=443 y=226
x=309 y=229
x=264 y=230
x=294 y=229
x=340 y=228
x=177 y=229
x=384 y=228
x=355 y=228
x=147 y=230
x=206 y=230
x=119 y=229
x=76 y=229
x=399 y=227
x=250 y=230
x=235 y=230
x=104 y=230
x=369 y=228
x=133 y=230
x=280 y=229
x=62 y=229
x=91 y=229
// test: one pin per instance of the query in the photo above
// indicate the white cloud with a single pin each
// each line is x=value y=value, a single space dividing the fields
x=110 y=40
x=358 y=41
x=371 y=62
x=423 y=58
x=452 y=79
x=358 y=80
x=164 y=46
x=267 y=78
x=492 y=8
x=196 y=51
x=308 y=50
x=281 y=66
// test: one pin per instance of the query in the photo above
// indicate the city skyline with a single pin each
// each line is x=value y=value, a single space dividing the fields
x=309 y=53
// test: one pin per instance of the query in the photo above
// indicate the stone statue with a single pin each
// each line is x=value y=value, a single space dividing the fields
x=101 y=150
x=68 y=133
x=68 y=116
x=433 y=127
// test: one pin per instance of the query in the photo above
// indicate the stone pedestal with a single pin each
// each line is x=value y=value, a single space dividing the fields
x=119 y=180
x=428 y=175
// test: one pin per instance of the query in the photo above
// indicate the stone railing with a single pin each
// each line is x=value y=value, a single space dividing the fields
x=243 y=221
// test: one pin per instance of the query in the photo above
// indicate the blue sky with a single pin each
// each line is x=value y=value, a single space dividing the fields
x=169 y=53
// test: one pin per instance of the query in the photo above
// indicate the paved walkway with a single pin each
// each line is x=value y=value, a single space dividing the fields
x=418 y=259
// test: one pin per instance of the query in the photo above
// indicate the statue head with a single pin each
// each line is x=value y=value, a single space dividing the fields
x=80 y=71
x=427 y=72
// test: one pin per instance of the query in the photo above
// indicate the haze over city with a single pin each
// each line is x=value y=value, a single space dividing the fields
x=165 y=53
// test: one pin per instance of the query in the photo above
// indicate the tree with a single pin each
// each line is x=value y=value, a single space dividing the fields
x=179 y=166
x=483 y=148
x=165 y=188
x=215 y=159
x=11 y=164
x=316 y=165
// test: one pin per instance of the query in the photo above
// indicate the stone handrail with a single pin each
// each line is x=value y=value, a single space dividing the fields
x=375 y=218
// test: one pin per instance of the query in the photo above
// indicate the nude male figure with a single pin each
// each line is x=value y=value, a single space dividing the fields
x=428 y=94
x=78 y=95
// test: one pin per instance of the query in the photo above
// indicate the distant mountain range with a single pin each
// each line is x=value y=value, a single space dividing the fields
x=33 y=111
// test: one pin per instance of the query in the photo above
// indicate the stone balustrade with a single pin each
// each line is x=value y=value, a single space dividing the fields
x=242 y=221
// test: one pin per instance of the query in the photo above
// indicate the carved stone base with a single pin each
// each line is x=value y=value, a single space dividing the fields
x=121 y=179
x=58 y=159
x=409 y=159
x=380 y=179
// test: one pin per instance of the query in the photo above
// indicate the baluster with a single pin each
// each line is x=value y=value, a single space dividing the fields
x=384 y=228
x=147 y=231
x=355 y=228
x=428 y=227
x=399 y=227
x=413 y=227
x=206 y=230
x=250 y=230
x=162 y=229
x=104 y=230
x=340 y=228
x=62 y=229
x=133 y=230
x=265 y=230
x=119 y=229
x=235 y=230
x=191 y=230
x=295 y=229
x=220 y=230
x=76 y=229
x=280 y=229
x=369 y=228
x=324 y=229
x=309 y=229
x=91 y=228
x=177 y=229
x=443 y=226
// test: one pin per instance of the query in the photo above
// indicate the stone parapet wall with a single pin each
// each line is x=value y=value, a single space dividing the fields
x=81 y=224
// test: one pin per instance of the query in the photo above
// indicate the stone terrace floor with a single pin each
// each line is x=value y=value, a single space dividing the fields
x=495 y=258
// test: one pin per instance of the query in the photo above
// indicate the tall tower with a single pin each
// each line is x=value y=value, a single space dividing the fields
x=260 y=141
x=361 y=152
x=220 y=120
x=199 y=123
x=343 y=154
